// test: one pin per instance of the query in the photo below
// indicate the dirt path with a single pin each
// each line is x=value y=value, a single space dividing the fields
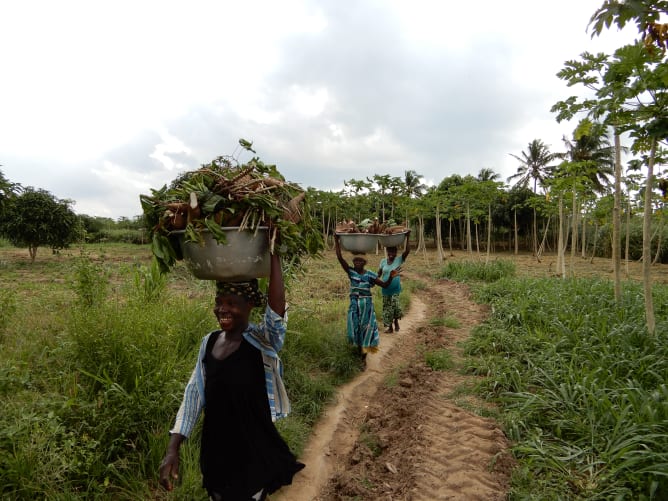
x=398 y=432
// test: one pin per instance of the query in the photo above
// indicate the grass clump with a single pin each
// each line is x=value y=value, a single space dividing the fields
x=464 y=271
x=439 y=360
x=447 y=321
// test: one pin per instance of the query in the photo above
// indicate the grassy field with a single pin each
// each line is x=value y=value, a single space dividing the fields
x=96 y=348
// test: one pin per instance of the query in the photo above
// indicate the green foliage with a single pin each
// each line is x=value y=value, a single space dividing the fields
x=447 y=321
x=582 y=385
x=226 y=194
x=439 y=360
x=93 y=421
x=90 y=281
x=149 y=282
x=486 y=272
x=7 y=309
x=36 y=218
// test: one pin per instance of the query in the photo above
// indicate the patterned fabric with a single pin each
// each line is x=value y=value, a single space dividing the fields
x=248 y=290
x=361 y=323
x=391 y=309
x=385 y=268
x=267 y=337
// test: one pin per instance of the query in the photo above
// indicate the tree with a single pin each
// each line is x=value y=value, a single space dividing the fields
x=36 y=218
x=590 y=164
x=636 y=78
x=591 y=149
x=534 y=166
x=488 y=188
x=413 y=185
x=630 y=95
x=7 y=191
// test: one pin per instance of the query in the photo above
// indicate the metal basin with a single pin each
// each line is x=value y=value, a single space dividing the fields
x=392 y=240
x=244 y=256
x=358 y=243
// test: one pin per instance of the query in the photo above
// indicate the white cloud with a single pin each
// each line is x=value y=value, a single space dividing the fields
x=119 y=97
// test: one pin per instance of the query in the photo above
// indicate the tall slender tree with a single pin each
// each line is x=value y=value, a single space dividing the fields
x=535 y=166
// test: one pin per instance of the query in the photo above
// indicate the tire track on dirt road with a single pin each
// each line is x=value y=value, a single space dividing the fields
x=396 y=432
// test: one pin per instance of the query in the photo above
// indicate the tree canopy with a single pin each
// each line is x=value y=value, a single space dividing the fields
x=36 y=218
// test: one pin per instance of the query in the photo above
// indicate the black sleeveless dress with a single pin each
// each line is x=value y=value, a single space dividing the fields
x=242 y=451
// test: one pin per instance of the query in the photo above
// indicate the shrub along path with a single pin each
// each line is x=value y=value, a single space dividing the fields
x=399 y=430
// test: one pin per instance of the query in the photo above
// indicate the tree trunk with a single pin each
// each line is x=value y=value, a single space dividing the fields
x=646 y=244
x=593 y=252
x=420 y=244
x=561 y=244
x=516 y=233
x=535 y=236
x=617 y=222
x=583 y=238
x=658 y=243
x=489 y=231
x=574 y=230
x=450 y=237
x=627 y=245
x=325 y=230
x=477 y=240
x=541 y=247
x=439 y=241
x=469 y=245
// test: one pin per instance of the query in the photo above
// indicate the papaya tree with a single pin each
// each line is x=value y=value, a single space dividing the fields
x=629 y=95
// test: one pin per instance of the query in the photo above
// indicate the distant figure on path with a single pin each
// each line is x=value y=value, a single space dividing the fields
x=362 y=326
x=392 y=311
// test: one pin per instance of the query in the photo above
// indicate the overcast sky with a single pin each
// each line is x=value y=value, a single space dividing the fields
x=102 y=101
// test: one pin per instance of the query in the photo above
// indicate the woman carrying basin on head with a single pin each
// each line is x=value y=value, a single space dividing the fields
x=362 y=326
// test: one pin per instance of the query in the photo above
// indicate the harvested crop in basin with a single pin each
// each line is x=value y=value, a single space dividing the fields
x=224 y=193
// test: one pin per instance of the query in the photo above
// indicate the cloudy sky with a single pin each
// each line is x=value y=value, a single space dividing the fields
x=102 y=101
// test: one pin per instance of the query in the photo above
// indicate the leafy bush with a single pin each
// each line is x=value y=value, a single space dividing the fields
x=149 y=282
x=90 y=281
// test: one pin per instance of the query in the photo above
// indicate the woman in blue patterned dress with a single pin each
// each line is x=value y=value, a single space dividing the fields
x=362 y=325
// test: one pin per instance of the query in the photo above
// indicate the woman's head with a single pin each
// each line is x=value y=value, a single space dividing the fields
x=249 y=291
x=391 y=252
x=234 y=302
x=358 y=263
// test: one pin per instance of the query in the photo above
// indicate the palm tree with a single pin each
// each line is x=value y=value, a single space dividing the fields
x=413 y=184
x=591 y=162
x=487 y=174
x=534 y=165
x=592 y=150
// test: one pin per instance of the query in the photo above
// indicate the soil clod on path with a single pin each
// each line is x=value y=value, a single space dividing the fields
x=397 y=432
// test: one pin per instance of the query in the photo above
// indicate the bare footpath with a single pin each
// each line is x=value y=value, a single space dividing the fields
x=397 y=431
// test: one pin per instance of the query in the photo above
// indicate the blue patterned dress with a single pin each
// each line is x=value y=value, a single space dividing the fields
x=362 y=324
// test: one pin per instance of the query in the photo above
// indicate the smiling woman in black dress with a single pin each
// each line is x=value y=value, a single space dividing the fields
x=237 y=382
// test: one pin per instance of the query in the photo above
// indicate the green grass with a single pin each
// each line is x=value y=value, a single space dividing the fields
x=477 y=271
x=448 y=321
x=96 y=351
x=439 y=360
x=582 y=386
